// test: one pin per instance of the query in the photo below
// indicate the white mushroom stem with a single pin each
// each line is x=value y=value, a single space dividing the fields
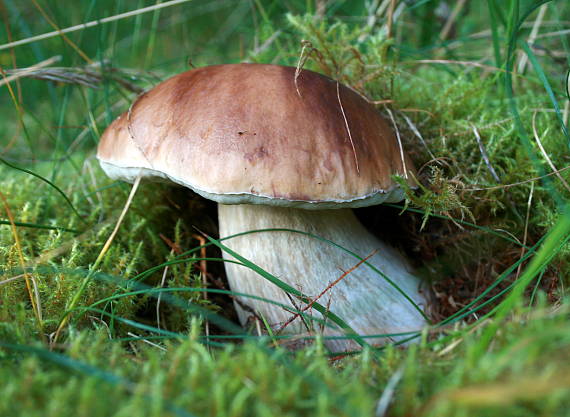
x=363 y=298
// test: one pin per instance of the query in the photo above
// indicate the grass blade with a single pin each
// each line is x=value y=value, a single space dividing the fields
x=547 y=87
x=41 y=226
x=51 y=184
x=492 y=6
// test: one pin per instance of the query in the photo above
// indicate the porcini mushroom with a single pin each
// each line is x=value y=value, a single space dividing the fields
x=278 y=149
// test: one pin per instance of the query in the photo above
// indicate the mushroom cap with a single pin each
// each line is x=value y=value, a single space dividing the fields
x=248 y=133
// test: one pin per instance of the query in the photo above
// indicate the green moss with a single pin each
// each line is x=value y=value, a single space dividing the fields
x=523 y=373
x=136 y=248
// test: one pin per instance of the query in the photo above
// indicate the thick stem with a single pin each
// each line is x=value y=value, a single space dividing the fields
x=363 y=298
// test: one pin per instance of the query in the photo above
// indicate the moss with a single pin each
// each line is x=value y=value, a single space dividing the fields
x=135 y=249
x=521 y=374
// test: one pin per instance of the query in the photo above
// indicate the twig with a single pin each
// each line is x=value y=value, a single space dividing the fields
x=297 y=307
x=331 y=285
x=172 y=245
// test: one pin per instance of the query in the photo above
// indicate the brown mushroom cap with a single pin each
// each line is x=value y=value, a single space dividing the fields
x=243 y=134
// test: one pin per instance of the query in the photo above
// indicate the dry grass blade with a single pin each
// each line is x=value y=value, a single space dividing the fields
x=452 y=18
x=388 y=393
x=87 y=76
x=63 y=75
x=545 y=154
x=119 y=221
x=390 y=19
x=515 y=184
x=553 y=34
x=159 y=298
x=65 y=38
x=148 y=342
x=399 y=142
x=92 y=23
x=301 y=62
x=348 y=128
x=31 y=284
x=104 y=250
x=11 y=279
x=26 y=72
x=523 y=60
x=412 y=126
x=375 y=10
x=525 y=235
x=449 y=61
x=485 y=155
x=265 y=45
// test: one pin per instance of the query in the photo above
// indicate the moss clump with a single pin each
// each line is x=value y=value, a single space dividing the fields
x=57 y=260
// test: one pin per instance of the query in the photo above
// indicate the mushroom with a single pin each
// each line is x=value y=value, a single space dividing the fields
x=280 y=149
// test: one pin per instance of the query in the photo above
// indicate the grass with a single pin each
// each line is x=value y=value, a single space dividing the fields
x=479 y=96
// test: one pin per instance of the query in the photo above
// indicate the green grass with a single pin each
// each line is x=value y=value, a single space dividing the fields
x=489 y=226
